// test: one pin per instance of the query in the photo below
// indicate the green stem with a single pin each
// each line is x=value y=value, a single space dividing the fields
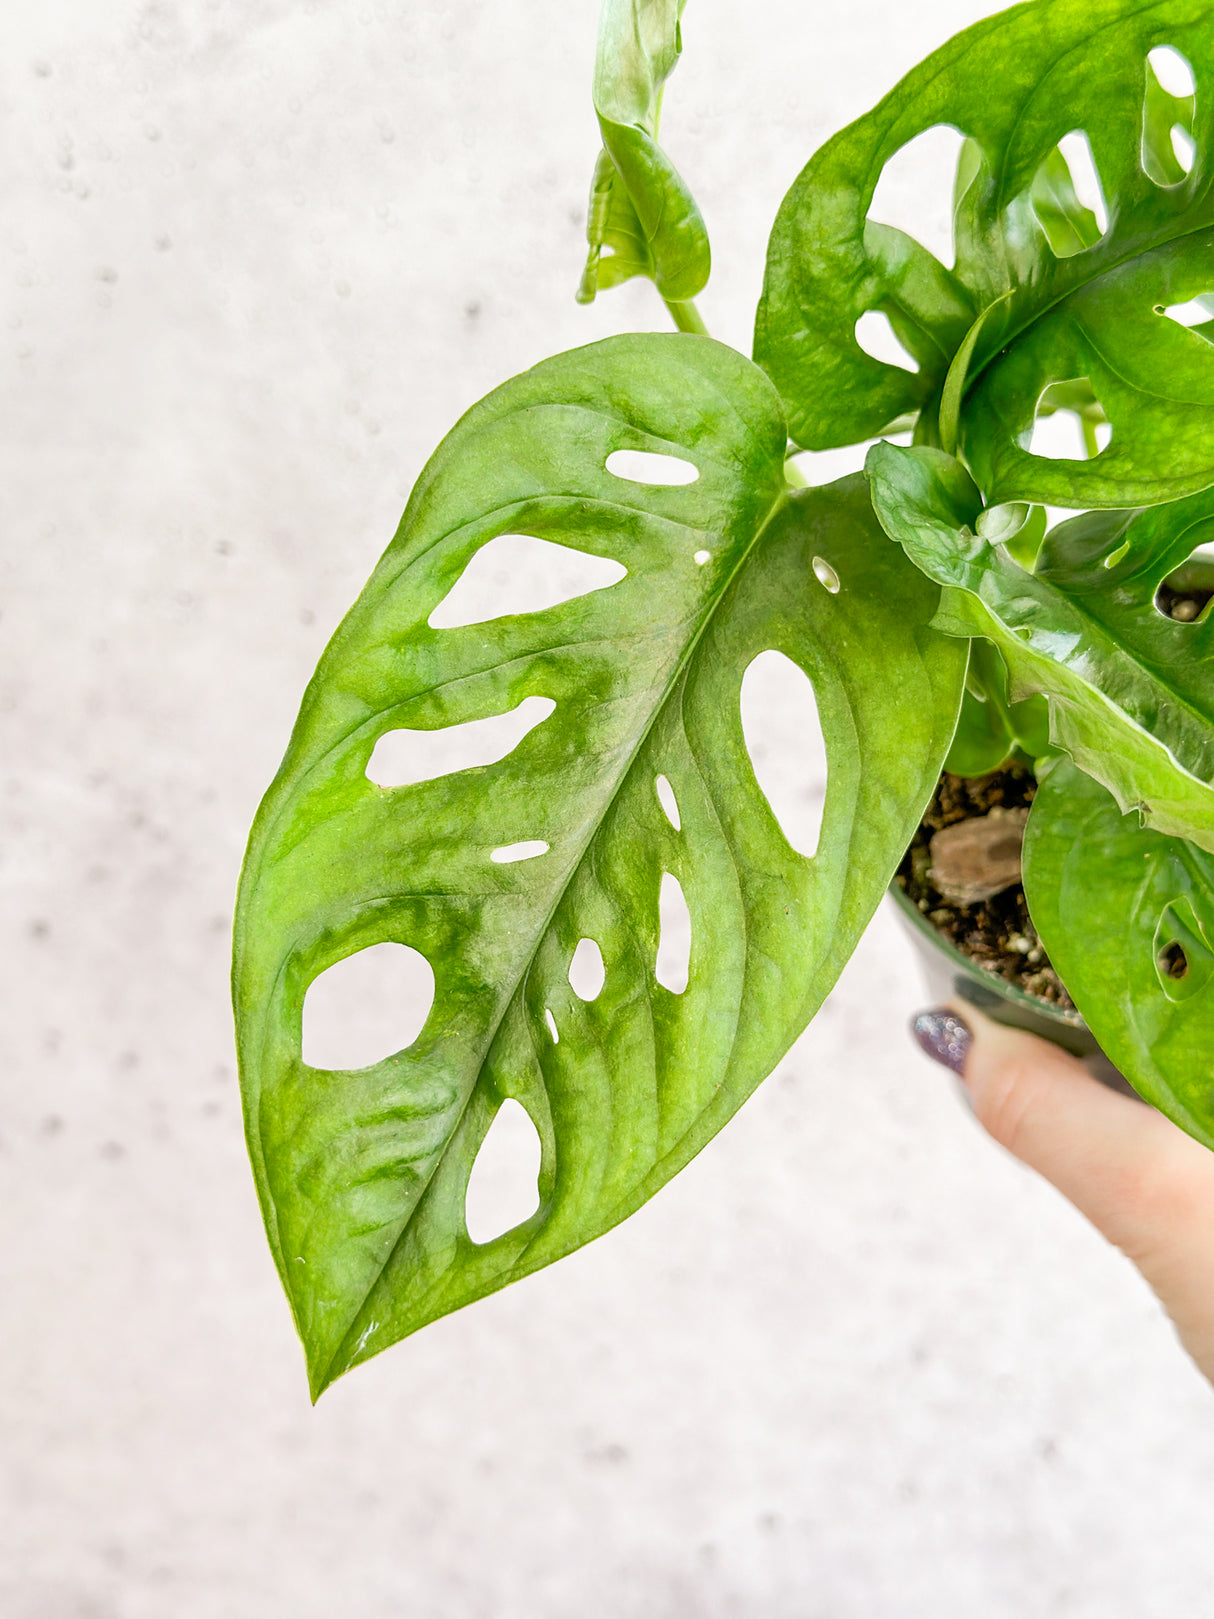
x=1089 y=437
x=686 y=316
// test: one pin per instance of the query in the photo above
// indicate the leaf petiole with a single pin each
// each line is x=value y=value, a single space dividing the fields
x=686 y=316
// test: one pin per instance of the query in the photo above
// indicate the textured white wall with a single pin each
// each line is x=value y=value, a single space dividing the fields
x=256 y=258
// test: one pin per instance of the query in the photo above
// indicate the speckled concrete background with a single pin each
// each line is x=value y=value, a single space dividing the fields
x=256 y=259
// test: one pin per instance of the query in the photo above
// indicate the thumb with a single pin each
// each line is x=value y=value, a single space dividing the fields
x=1144 y=1184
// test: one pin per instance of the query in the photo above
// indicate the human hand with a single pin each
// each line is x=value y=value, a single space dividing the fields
x=1145 y=1185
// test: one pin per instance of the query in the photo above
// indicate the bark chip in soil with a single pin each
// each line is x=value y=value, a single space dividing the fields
x=992 y=927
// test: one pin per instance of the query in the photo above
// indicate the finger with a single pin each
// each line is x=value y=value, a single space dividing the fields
x=1143 y=1183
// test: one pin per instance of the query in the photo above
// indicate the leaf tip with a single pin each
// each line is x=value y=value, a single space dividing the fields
x=321 y=1374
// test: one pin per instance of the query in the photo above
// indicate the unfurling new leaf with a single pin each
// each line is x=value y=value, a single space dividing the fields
x=642 y=219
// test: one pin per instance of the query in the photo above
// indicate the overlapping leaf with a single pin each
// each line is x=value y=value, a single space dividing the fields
x=363 y=1174
x=1127 y=917
x=1044 y=298
x=1131 y=691
x=642 y=219
x=990 y=728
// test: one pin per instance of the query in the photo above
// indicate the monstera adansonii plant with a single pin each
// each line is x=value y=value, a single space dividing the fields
x=924 y=599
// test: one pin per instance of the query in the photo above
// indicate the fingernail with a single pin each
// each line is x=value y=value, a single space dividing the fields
x=944 y=1036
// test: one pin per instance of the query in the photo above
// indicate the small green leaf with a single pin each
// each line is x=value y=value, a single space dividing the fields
x=642 y=219
x=1127 y=917
x=1000 y=524
x=953 y=391
x=990 y=729
x=1131 y=691
x=1057 y=300
x=362 y=1175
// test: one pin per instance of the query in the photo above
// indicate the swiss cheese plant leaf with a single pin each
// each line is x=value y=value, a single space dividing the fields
x=642 y=219
x=1131 y=691
x=1048 y=294
x=363 y=1174
x=1127 y=916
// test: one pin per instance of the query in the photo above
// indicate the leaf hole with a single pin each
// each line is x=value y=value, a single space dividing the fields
x=669 y=803
x=1057 y=436
x=826 y=575
x=366 y=1007
x=509 y=853
x=1076 y=151
x=1173 y=71
x=1184 y=147
x=503 y=1188
x=647 y=466
x=517 y=573
x=587 y=974
x=404 y=757
x=1184 y=608
x=914 y=193
x=1168 y=110
x=1183 y=959
x=1114 y=557
x=1069 y=424
x=673 y=963
x=1194 y=315
x=1173 y=963
x=552 y=1028
x=1185 y=595
x=876 y=336
x=784 y=739
x=1068 y=198
x=701 y=557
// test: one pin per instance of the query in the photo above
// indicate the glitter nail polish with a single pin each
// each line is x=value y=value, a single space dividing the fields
x=944 y=1037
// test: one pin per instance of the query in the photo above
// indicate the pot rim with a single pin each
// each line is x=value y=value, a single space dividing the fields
x=997 y=984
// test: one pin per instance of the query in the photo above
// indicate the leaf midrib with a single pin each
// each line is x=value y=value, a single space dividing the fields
x=780 y=500
x=1046 y=309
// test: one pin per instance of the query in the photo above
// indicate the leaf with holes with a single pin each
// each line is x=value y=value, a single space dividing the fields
x=634 y=795
x=1044 y=291
x=642 y=219
x=1131 y=691
x=1127 y=917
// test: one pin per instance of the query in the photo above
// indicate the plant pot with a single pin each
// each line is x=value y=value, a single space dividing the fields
x=952 y=976
x=1185 y=594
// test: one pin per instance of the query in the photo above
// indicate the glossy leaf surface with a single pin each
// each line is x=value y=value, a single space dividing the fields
x=1131 y=691
x=1127 y=917
x=642 y=219
x=1045 y=299
x=363 y=1174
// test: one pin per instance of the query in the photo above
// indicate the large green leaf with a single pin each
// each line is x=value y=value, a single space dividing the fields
x=642 y=219
x=1127 y=917
x=363 y=1174
x=1042 y=298
x=1131 y=691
